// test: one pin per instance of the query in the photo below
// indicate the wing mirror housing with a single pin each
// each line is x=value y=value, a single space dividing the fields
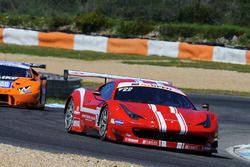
x=205 y=106
x=97 y=93
x=43 y=77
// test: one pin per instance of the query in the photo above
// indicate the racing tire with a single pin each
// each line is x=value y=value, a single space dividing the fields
x=69 y=116
x=43 y=93
x=103 y=124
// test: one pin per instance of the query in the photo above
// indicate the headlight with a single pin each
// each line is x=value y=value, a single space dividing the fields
x=130 y=113
x=207 y=122
x=24 y=90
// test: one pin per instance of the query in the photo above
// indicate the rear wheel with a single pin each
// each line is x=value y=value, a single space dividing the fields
x=43 y=93
x=69 y=115
x=103 y=125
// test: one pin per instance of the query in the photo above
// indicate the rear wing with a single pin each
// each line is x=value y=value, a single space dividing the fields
x=37 y=65
x=68 y=73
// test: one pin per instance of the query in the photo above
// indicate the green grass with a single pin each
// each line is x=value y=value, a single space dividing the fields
x=194 y=64
x=51 y=100
x=67 y=53
x=216 y=92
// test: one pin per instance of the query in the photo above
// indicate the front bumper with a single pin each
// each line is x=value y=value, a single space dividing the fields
x=128 y=133
x=25 y=100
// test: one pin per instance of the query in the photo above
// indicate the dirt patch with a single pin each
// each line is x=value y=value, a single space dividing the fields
x=181 y=77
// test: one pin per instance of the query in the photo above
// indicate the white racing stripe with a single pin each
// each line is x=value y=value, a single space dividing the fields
x=85 y=109
x=160 y=118
x=181 y=120
x=185 y=124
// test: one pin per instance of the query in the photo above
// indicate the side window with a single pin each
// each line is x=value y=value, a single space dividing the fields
x=106 y=90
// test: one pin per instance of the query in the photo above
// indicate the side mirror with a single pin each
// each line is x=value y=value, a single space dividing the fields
x=97 y=93
x=205 y=106
x=43 y=77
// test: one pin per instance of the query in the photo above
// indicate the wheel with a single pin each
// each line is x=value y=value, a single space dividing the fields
x=69 y=115
x=43 y=92
x=103 y=126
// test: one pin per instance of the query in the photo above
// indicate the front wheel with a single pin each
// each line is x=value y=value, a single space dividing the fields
x=69 y=115
x=103 y=126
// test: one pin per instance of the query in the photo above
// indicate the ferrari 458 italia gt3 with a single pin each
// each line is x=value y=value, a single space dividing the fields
x=140 y=111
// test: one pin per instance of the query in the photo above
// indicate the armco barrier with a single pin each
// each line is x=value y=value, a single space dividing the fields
x=56 y=40
x=58 y=87
x=248 y=57
x=229 y=55
x=20 y=37
x=127 y=46
x=195 y=52
x=1 y=35
x=86 y=42
x=163 y=48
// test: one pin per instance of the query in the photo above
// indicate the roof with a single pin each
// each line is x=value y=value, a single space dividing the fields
x=15 y=64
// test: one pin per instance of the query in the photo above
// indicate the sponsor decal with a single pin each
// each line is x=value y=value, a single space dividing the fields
x=8 y=78
x=5 y=84
x=125 y=89
x=88 y=117
x=152 y=85
x=150 y=142
x=128 y=135
x=131 y=140
x=76 y=123
x=116 y=121
x=171 y=120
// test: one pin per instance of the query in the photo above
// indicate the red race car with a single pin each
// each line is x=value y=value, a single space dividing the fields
x=140 y=111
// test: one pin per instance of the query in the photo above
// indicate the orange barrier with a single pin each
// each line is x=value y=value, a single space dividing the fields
x=1 y=35
x=128 y=46
x=56 y=40
x=248 y=57
x=195 y=52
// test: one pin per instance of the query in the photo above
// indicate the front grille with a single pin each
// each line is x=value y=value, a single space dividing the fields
x=3 y=98
x=172 y=137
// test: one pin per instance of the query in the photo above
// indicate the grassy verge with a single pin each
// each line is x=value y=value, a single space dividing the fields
x=51 y=100
x=127 y=58
x=194 y=64
x=216 y=92
x=67 y=53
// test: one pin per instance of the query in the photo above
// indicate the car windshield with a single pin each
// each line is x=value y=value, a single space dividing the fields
x=153 y=96
x=14 y=71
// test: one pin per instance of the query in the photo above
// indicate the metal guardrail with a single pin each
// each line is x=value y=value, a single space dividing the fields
x=57 y=87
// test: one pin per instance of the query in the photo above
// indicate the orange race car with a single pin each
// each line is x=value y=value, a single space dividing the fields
x=21 y=85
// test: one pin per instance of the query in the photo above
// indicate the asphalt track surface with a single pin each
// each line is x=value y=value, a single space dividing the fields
x=44 y=130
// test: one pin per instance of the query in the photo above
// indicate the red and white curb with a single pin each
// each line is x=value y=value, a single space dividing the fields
x=55 y=105
x=241 y=151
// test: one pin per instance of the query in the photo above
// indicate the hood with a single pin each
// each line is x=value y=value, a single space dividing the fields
x=171 y=117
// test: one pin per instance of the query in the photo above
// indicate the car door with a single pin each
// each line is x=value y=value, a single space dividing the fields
x=94 y=104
